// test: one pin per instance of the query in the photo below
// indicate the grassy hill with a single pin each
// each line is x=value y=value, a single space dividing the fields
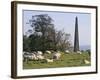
x=66 y=60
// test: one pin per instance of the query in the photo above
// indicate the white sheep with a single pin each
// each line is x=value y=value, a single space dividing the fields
x=40 y=57
x=34 y=57
x=30 y=56
x=26 y=56
x=86 y=61
x=56 y=55
x=79 y=52
x=39 y=53
x=67 y=51
x=49 y=52
x=49 y=60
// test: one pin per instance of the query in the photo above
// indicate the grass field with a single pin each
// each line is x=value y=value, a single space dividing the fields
x=66 y=60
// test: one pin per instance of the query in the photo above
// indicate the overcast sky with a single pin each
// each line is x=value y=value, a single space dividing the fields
x=66 y=21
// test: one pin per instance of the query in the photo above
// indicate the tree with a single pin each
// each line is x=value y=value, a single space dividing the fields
x=26 y=43
x=43 y=28
x=62 y=40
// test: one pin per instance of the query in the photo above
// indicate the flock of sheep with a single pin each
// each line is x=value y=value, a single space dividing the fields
x=39 y=56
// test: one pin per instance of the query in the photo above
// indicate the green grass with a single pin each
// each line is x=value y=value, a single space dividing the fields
x=66 y=60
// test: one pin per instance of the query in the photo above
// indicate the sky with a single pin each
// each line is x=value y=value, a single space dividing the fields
x=66 y=21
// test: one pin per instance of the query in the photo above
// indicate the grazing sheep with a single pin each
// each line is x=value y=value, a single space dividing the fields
x=40 y=57
x=67 y=51
x=49 y=52
x=79 y=52
x=34 y=57
x=86 y=61
x=25 y=56
x=49 y=60
x=29 y=56
x=39 y=53
x=57 y=55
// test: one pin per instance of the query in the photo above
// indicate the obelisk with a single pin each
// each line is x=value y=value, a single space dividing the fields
x=76 y=36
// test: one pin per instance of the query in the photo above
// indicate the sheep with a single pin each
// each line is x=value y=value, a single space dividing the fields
x=79 y=52
x=34 y=57
x=67 y=51
x=49 y=52
x=49 y=60
x=29 y=56
x=86 y=61
x=39 y=53
x=25 y=56
x=40 y=57
x=56 y=55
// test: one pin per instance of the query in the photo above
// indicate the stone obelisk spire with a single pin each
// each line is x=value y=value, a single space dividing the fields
x=76 y=36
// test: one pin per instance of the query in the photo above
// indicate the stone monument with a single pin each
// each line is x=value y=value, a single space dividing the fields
x=76 y=36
